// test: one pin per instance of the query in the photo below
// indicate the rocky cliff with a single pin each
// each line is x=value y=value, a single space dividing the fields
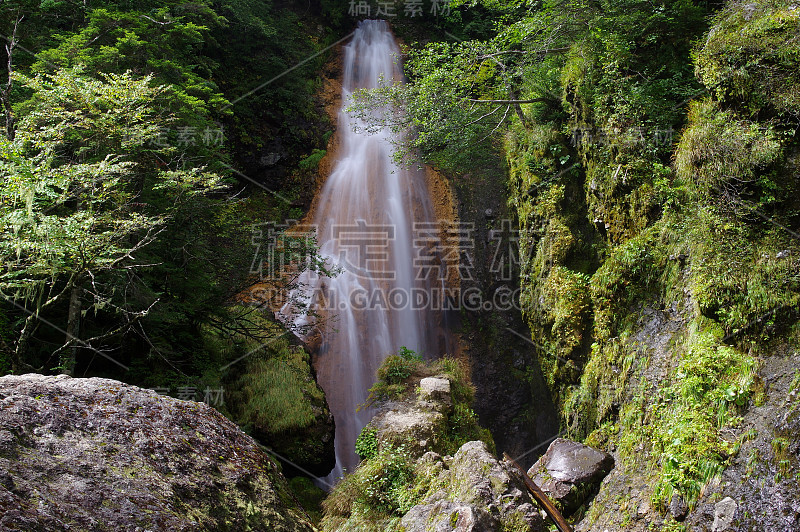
x=97 y=454
x=660 y=265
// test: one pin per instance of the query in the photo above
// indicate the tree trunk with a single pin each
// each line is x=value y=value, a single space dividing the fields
x=67 y=359
x=18 y=363
x=5 y=94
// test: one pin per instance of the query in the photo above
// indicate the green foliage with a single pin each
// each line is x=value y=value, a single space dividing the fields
x=393 y=374
x=396 y=369
x=463 y=427
x=75 y=174
x=601 y=389
x=750 y=61
x=461 y=388
x=711 y=384
x=374 y=493
x=132 y=100
x=387 y=483
x=164 y=42
x=367 y=443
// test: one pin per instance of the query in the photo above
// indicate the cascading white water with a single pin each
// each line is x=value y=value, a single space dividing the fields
x=367 y=216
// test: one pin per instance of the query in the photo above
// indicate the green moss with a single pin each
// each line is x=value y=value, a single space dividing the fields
x=630 y=274
x=278 y=394
x=751 y=60
x=309 y=496
x=312 y=161
x=601 y=389
x=719 y=152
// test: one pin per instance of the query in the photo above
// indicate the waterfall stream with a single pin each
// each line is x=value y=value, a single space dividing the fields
x=373 y=218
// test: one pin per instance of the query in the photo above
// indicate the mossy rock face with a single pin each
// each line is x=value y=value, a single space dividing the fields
x=471 y=491
x=475 y=489
x=97 y=454
x=448 y=515
x=280 y=403
x=751 y=59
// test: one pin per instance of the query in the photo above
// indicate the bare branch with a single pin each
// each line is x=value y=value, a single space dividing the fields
x=510 y=102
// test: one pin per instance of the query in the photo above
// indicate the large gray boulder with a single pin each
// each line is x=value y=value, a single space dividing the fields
x=448 y=516
x=419 y=429
x=97 y=454
x=569 y=472
x=476 y=493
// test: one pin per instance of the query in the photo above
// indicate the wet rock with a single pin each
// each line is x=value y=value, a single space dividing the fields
x=724 y=511
x=97 y=454
x=569 y=472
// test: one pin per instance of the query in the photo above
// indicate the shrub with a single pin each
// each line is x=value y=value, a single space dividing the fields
x=720 y=153
x=367 y=443
x=393 y=373
x=376 y=490
x=463 y=427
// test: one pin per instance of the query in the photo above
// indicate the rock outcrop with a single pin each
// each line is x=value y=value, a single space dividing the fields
x=97 y=454
x=569 y=472
x=472 y=491
x=421 y=424
x=425 y=469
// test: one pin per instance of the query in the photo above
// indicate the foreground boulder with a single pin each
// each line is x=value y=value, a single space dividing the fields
x=569 y=472
x=97 y=454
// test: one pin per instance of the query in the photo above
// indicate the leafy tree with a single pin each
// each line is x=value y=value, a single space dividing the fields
x=72 y=214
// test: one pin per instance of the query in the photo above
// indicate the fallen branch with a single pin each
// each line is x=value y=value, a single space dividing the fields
x=541 y=498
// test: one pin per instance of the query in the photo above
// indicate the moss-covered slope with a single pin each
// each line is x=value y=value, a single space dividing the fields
x=661 y=267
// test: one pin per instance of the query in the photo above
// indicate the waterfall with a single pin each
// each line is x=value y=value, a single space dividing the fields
x=373 y=218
